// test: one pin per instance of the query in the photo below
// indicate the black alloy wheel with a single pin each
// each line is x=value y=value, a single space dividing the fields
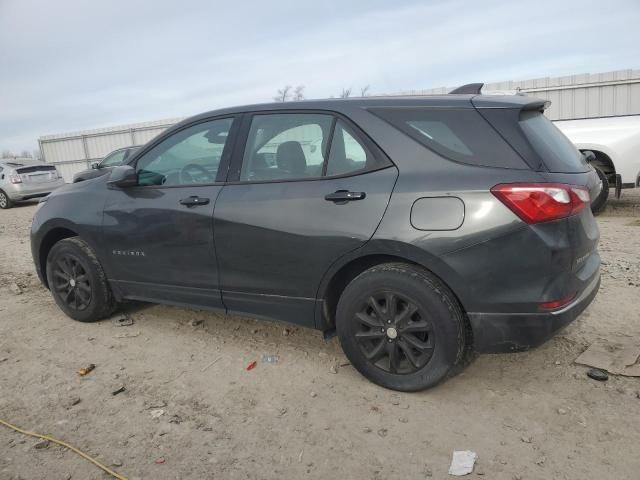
x=393 y=334
x=71 y=282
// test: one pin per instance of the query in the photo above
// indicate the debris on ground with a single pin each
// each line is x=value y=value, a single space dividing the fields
x=462 y=462
x=313 y=394
x=3 y=359
x=42 y=444
x=620 y=356
x=74 y=401
x=383 y=432
x=540 y=461
x=597 y=374
x=210 y=364
x=160 y=461
x=286 y=332
x=272 y=359
x=333 y=369
x=122 y=320
x=197 y=322
x=85 y=371
x=119 y=390
x=252 y=365
x=15 y=289
x=128 y=335
x=156 y=413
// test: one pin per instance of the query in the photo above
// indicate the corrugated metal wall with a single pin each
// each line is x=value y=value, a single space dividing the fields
x=575 y=96
x=73 y=152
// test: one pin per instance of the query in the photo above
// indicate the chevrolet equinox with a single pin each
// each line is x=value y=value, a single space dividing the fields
x=418 y=229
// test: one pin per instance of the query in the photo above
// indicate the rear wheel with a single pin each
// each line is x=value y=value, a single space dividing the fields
x=77 y=281
x=401 y=327
x=598 y=204
x=5 y=201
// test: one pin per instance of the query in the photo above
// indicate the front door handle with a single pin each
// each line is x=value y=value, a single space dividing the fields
x=193 y=201
x=344 y=196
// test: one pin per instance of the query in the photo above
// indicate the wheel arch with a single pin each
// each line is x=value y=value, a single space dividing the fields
x=349 y=267
x=603 y=159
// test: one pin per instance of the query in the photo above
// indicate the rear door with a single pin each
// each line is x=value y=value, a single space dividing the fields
x=37 y=174
x=305 y=189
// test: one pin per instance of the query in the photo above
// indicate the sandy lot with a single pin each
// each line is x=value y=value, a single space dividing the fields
x=532 y=415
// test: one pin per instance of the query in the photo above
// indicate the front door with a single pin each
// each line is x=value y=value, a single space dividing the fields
x=309 y=190
x=160 y=232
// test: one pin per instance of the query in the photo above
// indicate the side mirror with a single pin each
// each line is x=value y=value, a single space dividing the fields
x=589 y=156
x=123 y=176
x=95 y=165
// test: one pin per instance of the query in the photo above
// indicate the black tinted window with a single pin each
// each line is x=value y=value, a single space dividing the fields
x=190 y=156
x=556 y=150
x=460 y=135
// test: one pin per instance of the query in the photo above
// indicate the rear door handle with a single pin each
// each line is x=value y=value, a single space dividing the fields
x=193 y=201
x=344 y=196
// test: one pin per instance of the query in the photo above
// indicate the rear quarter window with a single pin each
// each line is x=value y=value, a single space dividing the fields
x=461 y=135
x=554 y=148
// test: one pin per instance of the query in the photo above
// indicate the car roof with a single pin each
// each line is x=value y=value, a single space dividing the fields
x=9 y=163
x=402 y=101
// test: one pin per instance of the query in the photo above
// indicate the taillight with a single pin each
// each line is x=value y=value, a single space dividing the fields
x=555 y=304
x=15 y=179
x=542 y=202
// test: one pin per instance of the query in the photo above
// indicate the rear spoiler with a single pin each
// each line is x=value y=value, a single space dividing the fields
x=520 y=100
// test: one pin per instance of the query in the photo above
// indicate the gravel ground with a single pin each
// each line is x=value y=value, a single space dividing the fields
x=191 y=410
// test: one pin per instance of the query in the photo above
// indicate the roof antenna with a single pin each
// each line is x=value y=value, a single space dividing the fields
x=468 y=89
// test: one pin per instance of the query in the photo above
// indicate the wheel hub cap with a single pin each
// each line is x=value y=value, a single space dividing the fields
x=392 y=333
x=72 y=282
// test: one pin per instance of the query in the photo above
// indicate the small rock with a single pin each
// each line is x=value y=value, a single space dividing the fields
x=156 y=413
x=428 y=472
x=383 y=432
x=15 y=289
x=540 y=461
x=597 y=374
x=517 y=477
x=562 y=411
x=557 y=362
x=4 y=359
x=196 y=322
x=74 y=401
x=395 y=402
x=526 y=439
x=42 y=444
x=117 y=463
x=286 y=332
x=313 y=394
x=282 y=411
x=403 y=420
x=366 y=430
x=254 y=331
x=333 y=369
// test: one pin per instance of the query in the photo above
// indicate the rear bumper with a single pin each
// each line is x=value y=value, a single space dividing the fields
x=22 y=191
x=517 y=332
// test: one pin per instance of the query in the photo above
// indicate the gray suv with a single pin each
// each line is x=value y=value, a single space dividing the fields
x=419 y=229
x=20 y=180
x=114 y=159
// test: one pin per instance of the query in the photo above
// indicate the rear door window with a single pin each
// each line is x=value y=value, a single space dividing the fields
x=556 y=150
x=461 y=135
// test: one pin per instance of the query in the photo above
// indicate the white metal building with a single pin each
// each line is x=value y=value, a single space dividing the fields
x=573 y=97
x=73 y=152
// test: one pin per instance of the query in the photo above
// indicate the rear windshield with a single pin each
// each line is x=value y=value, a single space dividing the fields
x=36 y=168
x=556 y=150
x=461 y=135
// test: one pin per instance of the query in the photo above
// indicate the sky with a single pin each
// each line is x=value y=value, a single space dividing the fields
x=70 y=65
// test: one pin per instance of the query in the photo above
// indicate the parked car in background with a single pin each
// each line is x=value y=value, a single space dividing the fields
x=418 y=229
x=115 y=158
x=25 y=180
x=615 y=143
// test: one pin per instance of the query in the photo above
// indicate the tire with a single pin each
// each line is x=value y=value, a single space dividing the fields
x=428 y=348
x=77 y=281
x=5 y=201
x=599 y=203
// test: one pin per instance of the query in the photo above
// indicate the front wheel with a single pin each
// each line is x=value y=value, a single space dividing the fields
x=401 y=327
x=77 y=281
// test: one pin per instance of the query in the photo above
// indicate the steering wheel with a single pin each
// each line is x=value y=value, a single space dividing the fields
x=194 y=173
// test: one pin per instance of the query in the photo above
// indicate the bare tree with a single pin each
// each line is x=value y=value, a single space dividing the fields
x=298 y=93
x=364 y=91
x=346 y=93
x=7 y=154
x=283 y=94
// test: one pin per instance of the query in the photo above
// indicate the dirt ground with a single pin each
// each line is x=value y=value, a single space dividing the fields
x=531 y=415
